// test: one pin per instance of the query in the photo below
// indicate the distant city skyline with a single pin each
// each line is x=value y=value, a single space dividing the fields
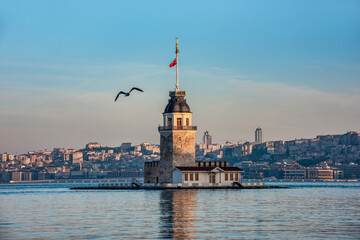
x=290 y=67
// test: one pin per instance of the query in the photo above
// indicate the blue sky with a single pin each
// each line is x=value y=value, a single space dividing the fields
x=291 y=67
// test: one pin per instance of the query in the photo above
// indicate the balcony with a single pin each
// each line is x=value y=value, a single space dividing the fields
x=177 y=94
x=160 y=128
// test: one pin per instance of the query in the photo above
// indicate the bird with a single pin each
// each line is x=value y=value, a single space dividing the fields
x=127 y=93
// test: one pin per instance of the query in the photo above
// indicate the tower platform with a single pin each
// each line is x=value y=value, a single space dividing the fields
x=169 y=186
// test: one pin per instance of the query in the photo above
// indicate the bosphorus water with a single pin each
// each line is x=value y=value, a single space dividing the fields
x=315 y=210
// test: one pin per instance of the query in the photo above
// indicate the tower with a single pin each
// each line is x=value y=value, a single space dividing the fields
x=177 y=135
x=258 y=135
x=177 y=163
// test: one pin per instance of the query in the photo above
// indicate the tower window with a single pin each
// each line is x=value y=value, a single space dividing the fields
x=169 y=123
x=187 y=122
x=178 y=121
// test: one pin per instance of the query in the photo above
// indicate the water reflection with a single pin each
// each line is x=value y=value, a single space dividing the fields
x=177 y=214
x=303 y=212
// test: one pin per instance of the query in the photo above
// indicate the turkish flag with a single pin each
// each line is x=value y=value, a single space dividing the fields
x=173 y=63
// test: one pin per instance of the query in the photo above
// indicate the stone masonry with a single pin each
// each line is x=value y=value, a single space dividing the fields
x=177 y=148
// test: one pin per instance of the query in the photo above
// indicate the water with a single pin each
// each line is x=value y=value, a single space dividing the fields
x=303 y=211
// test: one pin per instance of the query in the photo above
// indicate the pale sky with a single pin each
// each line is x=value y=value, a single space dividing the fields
x=290 y=67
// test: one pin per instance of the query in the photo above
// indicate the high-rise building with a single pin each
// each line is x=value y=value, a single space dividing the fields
x=207 y=139
x=258 y=135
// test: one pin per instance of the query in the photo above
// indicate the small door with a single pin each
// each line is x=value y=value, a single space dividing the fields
x=211 y=178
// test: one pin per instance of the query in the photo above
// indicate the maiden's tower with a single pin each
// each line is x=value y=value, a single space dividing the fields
x=177 y=163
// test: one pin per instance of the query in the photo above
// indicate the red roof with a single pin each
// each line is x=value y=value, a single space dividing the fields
x=208 y=169
x=231 y=169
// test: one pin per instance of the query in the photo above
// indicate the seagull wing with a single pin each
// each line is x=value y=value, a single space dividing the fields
x=135 y=88
x=117 y=96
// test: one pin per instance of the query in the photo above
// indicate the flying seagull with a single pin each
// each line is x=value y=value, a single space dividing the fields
x=127 y=93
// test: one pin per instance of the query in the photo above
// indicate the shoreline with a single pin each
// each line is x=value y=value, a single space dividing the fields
x=176 y=188
x=108 y=180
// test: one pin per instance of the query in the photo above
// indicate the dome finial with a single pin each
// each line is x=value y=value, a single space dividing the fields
x=177 y=65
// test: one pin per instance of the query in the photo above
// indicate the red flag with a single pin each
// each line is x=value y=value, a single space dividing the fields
x=173 y=63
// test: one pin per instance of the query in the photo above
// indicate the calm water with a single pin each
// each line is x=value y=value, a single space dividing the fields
x=303 y=211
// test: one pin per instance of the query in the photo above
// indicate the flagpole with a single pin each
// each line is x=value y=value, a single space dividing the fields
x=177 y=65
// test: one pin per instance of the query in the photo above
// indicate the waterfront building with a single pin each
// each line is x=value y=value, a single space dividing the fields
x=217 y=173
x=199 y=175
x=258 y=135
x=24 y=176
x=350 y=171
x=318 y=173
x=295 y=172
x=17 y=176
x=323 y=172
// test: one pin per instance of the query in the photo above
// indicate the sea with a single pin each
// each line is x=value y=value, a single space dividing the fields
x=303 y=210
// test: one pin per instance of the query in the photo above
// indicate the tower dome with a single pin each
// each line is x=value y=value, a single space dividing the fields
x=177 y=103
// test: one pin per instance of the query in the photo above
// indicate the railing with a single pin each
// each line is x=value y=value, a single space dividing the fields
x=177 y=128
x=177 y=93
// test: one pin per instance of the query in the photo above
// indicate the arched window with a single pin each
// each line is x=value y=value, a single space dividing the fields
x=178 y=122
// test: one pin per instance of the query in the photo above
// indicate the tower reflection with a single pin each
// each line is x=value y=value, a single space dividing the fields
x=177 y=214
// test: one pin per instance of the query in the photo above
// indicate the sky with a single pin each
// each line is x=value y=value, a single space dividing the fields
x=289 y=67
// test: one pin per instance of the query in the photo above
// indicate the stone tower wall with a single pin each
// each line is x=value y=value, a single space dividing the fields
x=151 y=172
x=184 y=148
x=177 y=148
x=166 y=150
